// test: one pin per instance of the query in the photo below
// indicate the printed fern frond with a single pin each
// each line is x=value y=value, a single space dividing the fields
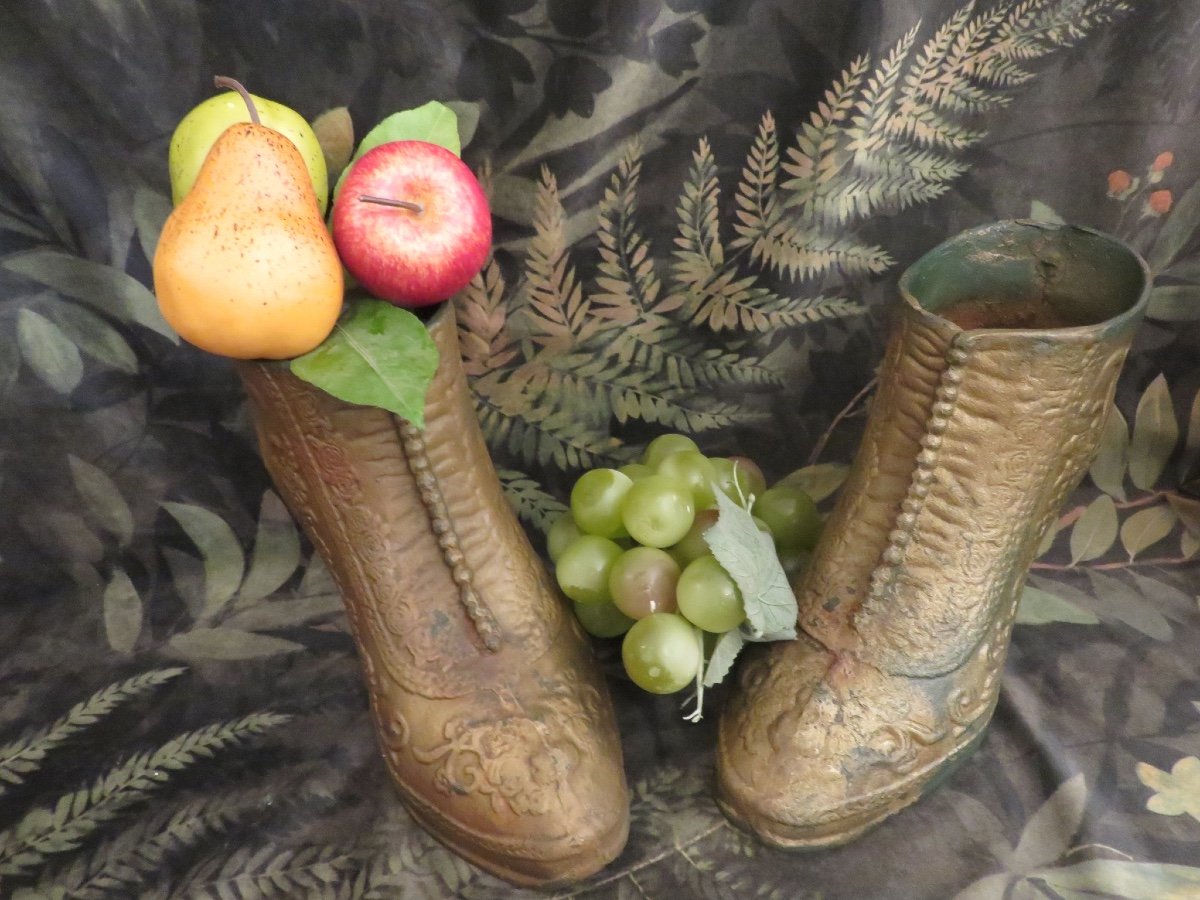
x=866 y=134
x=539 y=429
x=529 y=501
x=691 y=367
x=629 y=286
x=45 y=831
x=699 y=240
x=24 y=756
x=483 y=335
x=761 y=310
x=554 y=302
x=757 y=210
x=271 y=871
x=808 y=253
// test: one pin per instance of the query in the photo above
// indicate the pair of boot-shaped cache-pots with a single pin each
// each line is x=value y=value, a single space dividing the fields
x=493 y=720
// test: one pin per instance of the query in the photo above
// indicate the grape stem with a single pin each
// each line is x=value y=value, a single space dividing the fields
x=698 y=713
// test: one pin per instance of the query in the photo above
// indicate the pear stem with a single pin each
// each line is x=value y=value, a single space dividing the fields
x=224 y=81
x=388 y=201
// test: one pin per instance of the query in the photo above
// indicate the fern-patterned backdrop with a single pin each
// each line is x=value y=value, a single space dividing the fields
x=702 y=207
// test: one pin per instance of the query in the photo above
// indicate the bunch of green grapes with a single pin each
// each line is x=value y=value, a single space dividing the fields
x=632 y=557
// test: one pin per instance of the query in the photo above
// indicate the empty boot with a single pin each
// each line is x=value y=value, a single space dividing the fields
x=492 y=716
x=991 y=398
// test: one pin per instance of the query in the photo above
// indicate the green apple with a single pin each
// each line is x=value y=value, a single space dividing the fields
x=200 y=128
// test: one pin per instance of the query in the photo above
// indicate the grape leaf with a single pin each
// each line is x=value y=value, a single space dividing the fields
x=748 y=555
x=726 y=650
x=378 y=355
x=433 y=122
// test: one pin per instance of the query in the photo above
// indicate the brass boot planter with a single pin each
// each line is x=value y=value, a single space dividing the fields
x=990 y=404
x=493 y=720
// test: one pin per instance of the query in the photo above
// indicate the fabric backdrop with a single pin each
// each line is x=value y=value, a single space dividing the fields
x=702 y=207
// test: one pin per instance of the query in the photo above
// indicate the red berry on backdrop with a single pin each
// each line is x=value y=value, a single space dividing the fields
x=1159 y=203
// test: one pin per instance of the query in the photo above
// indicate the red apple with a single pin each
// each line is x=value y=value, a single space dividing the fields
x=411 y=223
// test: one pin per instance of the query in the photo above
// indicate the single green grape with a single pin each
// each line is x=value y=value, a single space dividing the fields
x=602 y=620
x=791 y=515
x=692 y=545
x=708 y=597
x=662 y=653
x=642 y=581
x=583 y=568
x=560 y=534
x=658 y=511
x=596 y=502
x=663 y=446
x=695 y=470
x=749 y=477
x=794 y=561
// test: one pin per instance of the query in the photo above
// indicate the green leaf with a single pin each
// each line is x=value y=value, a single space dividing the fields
x=92 y=335
x=1095 y=531
x=122 y=612
x=1040 y=607
x=724 y=652
x=276 y=550
x=433 y=122
x=1146 y=527
x=53 y=357
x=818 y=481
x=1113 y=599
x=105 y=288
x=275 y=614
x=335 y=133
x=1188 y=511
x=1040 y=212
x=1127 y=879
x=1189 y=544
x=1112 y=457
x=1191 y=445
x=102 y=499
x=990 y=887
x=1048 y=833
x=1155 y=434
x=228 y=644
x=380 y=355
x=1049 y=538
x=748 y=555
x=150 y=211
x=1174 y=303
x=219 y=548
x=1177 y=230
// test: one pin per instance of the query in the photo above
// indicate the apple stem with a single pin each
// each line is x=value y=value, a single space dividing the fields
x=227 y=82
x=388 y=201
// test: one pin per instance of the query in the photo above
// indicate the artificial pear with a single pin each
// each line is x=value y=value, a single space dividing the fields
x=245 y=267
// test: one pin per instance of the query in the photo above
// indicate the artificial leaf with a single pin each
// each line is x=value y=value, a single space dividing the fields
x=1048 y=538
x=224 y=562
x=150 y=211
x=1191 y=444
x=1039 y=607
x=122 y=612
x=724 y=652
x=101 y=498
x=275 y=614
x=818 y=481
x=1095 y=530
x=1188 y=511
x=748 y=555
x=53 y=357
x=228 y=644
x=1177 y=230
x=316 y=578
x=990 y=887
x=433 y=122
x=1040 y=212
x=1174 y=303
x=378 y=355
x=276 y=550
x=1114 y=599
x=334 y=130
x=1155 y=433
x=1048 y=833
x=468 y=120
x=1127 y=879
x=107 y=289
x=1112 y=456
x=1171 y=601
x=187 y=577
x=1189 y=544
x=1146 y=527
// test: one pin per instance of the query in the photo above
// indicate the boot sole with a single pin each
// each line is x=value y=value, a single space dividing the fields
x=880 y=806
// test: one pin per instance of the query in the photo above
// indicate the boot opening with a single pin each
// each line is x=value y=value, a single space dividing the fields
x=1027 y=275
